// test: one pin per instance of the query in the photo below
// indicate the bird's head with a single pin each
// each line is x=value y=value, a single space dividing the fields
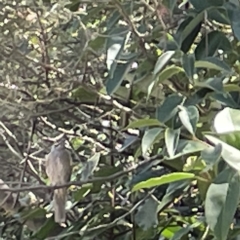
x=59 y=144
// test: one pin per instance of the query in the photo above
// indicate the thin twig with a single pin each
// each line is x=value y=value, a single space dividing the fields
x=25 y=160
x=80 y=183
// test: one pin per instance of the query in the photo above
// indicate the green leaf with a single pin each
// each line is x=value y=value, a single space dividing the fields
x=82 y=192
x=189 y=146
x=33 y=214
x=189 y=117
x=230 y=154
x=234 y=15
x=225 y=99
x=97 y=43
x=204 y=4
x=115 y=81
x=169 y=108
x=213 y=63
x=158 y=181
x=227 y=120
x=167 y=73
x=174 y=190
x=185 y=38
x=149 y=138
x=114 y=47
x=221 y=203
x=231 y=87
x=162 y=61
x=188 y=65
x=143 y=123
x=211 y=43
x=84 y=95
x=191 y=26
x=147 y=215
x=193 y=114
x=215 y=84
x=219 y=14
x=211 y=155
x=185 y=119
x=171 y=141
x=184 y=231
x=90 y=166
x=48 y=227
x=231 y=138
x=170 y=231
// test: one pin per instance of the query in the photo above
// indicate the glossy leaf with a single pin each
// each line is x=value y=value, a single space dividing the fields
x=215 y=84
x=225 y=99
x=231 y=138
x=115 y=81
x=219 y=14
x=149 y=138
x=213 y=63
x=191 y=26
x=193 y=114
x=234 y=15
x=214 y=40
x=168 y=178
x=169 y=108
x=174 y=190
x=184 y=231
x=171 y=140
x=90 y=166
x=189 y=146
x=211 y=155
x=114 y=47
x=221 y=203
x=188 y=65
x=168 y=73
x=162 y=61
x=229 y=153
x=204 y=4
x=188 y=31
x=185 y=119
x=227 y=120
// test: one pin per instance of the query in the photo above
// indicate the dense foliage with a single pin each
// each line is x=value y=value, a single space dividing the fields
x=148 y=95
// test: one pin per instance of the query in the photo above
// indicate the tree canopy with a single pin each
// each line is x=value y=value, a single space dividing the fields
x=147 y=93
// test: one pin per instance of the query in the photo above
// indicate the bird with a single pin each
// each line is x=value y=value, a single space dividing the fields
x=58 y=170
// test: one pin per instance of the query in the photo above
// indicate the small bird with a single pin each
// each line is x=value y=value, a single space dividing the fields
x=58 y=169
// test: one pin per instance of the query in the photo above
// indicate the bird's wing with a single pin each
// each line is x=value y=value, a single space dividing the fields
x=52 y=168
x=65 y=164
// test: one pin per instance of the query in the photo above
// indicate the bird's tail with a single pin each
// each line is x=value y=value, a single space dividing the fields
x=59 y=199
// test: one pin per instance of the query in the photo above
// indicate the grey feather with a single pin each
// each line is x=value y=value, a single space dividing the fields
x=58 y=169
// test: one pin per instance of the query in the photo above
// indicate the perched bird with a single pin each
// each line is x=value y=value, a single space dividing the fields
x=58 y=169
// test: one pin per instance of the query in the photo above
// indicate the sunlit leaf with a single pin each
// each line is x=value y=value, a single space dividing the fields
x=213 y=63
x=227 y=120
x=230 y=154
x=168 y=178
x=171 y=140
x=162 y=61
x=221 y=203
x=149 y=138
x=144 y=123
